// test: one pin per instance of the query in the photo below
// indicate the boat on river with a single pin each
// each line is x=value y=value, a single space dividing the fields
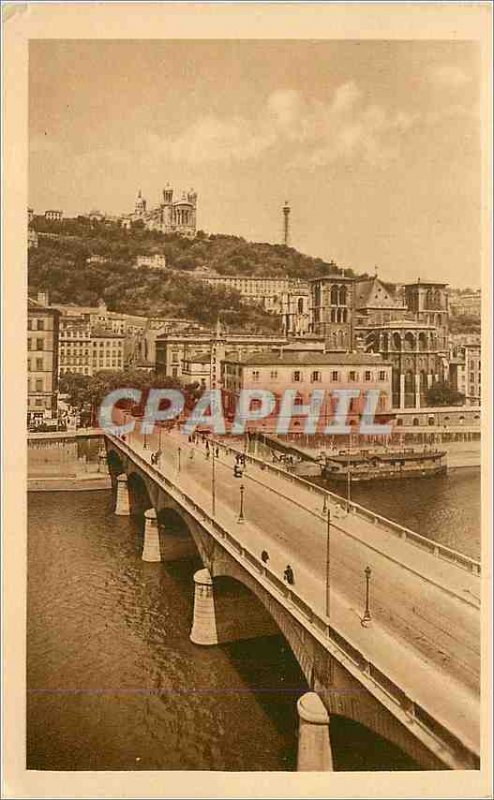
x=383 y=464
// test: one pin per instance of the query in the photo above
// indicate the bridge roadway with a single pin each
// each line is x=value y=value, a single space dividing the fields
x=425 y=630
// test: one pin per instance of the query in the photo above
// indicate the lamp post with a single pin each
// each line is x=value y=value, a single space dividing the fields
x=213 y=483
x=241 y=514
x=179 y=451
x=348 y=486
x=366 y=619
x=159 y=436
x=325 y=504
x=328 y=562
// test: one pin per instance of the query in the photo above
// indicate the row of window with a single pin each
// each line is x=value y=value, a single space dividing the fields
x=38 y=385
x=38 y=344
x=38 y=365
x=35 y=325
x=316 y=376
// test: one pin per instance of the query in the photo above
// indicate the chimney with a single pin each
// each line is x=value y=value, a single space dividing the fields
x=43 y=298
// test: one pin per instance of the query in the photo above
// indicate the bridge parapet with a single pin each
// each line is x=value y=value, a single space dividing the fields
x=448 y=748
x=435 y=548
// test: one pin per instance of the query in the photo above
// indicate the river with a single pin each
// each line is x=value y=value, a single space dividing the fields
x=114 y=682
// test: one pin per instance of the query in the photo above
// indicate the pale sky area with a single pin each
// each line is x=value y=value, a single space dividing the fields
x=374 y=144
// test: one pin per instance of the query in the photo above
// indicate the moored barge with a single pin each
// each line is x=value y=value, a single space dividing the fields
x=384 y=465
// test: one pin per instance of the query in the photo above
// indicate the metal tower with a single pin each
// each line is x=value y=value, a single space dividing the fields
x=286 y=223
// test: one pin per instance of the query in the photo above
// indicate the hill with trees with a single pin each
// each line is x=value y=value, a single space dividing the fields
x=61 y=265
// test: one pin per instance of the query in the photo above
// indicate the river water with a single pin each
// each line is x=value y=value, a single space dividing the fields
x=114 y=682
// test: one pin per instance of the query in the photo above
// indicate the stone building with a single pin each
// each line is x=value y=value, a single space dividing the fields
x=428 y=302
x=75 y=351
x=412 y=348
x=303 y=372
x=42 y=359
x=171 y=215
x=53 y=215
x=331 y=310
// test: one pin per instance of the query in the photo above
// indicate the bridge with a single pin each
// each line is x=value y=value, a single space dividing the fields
x=384 y=622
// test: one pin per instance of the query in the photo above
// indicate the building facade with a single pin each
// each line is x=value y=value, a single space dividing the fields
x=75 y=350
x=331 y=310
x=303 y=372
x=42 y=359
x=53 y=215
x=171 y=215
x=154 y=261
x=266 y=291
x=173 y=350
x=107 y=350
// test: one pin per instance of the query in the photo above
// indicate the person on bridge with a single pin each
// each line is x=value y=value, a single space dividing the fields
x=288 y=575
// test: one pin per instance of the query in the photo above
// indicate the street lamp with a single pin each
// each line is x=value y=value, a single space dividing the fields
x=328 y=562
x=348 y=486
x=366 y=619
x=213 y=483
x=241 y=514
x=325 y=504
x=179 y=451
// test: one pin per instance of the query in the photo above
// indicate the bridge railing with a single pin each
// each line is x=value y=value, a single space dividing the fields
x=400 y=531
x=318 y=624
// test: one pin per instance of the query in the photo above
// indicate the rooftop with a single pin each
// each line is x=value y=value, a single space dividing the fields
x=304 y=358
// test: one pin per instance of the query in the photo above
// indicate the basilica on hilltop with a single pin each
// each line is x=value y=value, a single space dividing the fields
x=171 y=215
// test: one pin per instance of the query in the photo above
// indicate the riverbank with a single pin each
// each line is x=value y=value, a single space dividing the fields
x=75 y=483
x=459 y=455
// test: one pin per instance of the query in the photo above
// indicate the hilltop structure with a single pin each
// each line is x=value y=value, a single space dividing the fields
x=170 y=216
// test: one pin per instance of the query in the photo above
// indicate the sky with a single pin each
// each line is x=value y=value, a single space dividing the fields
x=374 y=144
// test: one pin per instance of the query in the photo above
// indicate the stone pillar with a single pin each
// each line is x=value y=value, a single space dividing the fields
x=429 y=380
x=204 y=622
x=417 y=390
x=151 y=549
x=402 y=390
x=122 y=506
x=314 y=748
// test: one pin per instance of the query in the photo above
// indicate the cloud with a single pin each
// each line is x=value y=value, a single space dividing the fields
x=211 y=139
x=312 y=132
x=449 y=76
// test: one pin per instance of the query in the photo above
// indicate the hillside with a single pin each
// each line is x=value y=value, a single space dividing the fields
x=59 y=266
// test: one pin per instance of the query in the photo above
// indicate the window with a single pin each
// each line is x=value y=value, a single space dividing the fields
x=352 y=376
x=39 y=363
x=335 y=376
x=29 y=343
x=29 y=325
x=41 y=324
x=255 y=374
x=39 y=384
x=382 y=374
x=367 y=375
x=39 y=344
x=273 y=374
x=297 y=376
x=316 y=376
x=38 y=401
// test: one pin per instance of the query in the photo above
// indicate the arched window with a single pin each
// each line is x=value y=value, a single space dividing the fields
x=343 y=296
x=416 y=422
x=300 y=305
x=334 y=295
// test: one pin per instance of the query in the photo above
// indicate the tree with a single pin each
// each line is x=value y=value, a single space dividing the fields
x=441 y=394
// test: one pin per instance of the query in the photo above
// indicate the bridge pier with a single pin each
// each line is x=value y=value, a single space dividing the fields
x=204 y=623
x=314 y=748
x=122 y=505
x=151 y=549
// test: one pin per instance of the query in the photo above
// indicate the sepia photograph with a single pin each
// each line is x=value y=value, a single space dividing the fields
x=252 y=288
